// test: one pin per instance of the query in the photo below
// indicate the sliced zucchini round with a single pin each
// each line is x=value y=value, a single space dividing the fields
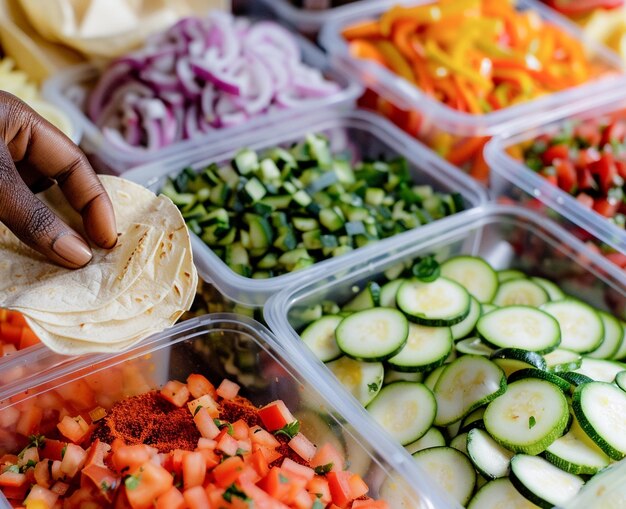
x=391 y=375
x=465 y=328
x=514 y=359
x=474 y=346
x=433 y=377
x=465 y=384
x=508 y=274
x=405 y=409
x=620 y=380
x=522 y=327
x=613 y=334
x=528 y=417
x=319 y=336
x=362 y=379
x=600 y=408
x=520 y=292
x=554 y=292
x=425 y=349
x=499 y=494
x=399 y=494
x=560 y=360
x=473 y=420
x=574 y=379
x=388 y=293
x=582 y=329
x=432 y=438
x=475 y=274
x=621 y=351
x=576 y=453
x=488 y=308
x=440 y=303
x=540 y=374
x=373 y=334
x=490 y=458
x=599 y=369
x=450 y=469
x=542 y=483
x=459 y=443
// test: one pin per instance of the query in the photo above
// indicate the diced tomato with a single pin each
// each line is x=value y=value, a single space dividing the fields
x=206 y=443
x=49 y=498
x=211 y=459
x=60 y=488
x=8 y=417
x=560 y=151
x=370 y=504
x=152 y=481
x=289 y=465
x=42 y=473
x=358 y=487
x=29 y=420
x=79 y=393
x=171 y=499
x=303 y=447
x=589 y=132
x=227 y=389
x=10 y=333
x=96 y=453
x=53 y=449
x=12 y=479
x=196 y=498
x=73 y=460
x=175 y=392
x=282 y=485
x=606 y=171
x=205 y=424
x=586 y=156
x=327 y=455
x=606 y=207
x=227 y=444
x=103 y=479
x=194 y=469
x=204 y=401
x=339 y=485
x=585 y=180
x=617 y=258
x=259 y=463
x=228 y=471
x=240 y=430
x=28 y=455
x=275 y=415
x=270 y=454
x=302 y=500
x=27 y=338
x=130 y=457
x=260 y=436
x=319 y=486
x=615 y=131
x=566 y=175
x=56 y=472
x=198 y=386
x=585 y=200
x=73 y=428
x=260 y=497
x=7 y=349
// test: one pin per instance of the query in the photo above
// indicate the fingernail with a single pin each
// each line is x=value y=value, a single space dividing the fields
x=73 y=249
x=105 y=233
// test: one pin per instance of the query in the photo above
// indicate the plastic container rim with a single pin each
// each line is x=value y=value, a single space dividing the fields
x=406 y=95
x=300 y=372
x=120 y=161
x=230 y=283
x=518 y=174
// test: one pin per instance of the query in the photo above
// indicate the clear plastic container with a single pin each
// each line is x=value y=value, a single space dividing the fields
x=511 y=178
x=220 y=346
x=73 y=83
x=365 y=134
x=306 y=21
x=506 y=236
x=441 y=127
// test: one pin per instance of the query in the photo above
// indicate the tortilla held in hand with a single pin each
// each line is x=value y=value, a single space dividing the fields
x=141 y=286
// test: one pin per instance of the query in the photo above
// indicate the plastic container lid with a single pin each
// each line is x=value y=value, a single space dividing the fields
x=407 y=96
x=242 y=350
x=506 y=170
x=108 y=158
x=507 y=237
x=372 y=135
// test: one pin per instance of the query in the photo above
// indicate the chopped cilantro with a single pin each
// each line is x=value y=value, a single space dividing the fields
x=29 y=464
x=132 y=481
x=222 y=424
x=63 y=451
x=240 y=452
x=289 y=430
x=531 y=422
x=197 y=409
x=234 y=491
x=323 y=469
x=282 y=479
x=105 y=486
x=373 y=387
x=36 y=441
x=426 y=269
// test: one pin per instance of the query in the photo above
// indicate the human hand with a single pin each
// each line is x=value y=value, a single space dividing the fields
x=33 y=155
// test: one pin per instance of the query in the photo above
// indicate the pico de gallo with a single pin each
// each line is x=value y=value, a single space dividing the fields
x=14 y=333
x=189 y=445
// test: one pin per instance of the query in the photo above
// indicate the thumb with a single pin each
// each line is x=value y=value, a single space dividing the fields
x=34 y=223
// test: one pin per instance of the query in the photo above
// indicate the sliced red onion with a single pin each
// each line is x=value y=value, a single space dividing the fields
x=159 y=81
x=221 y=80
x=187 y=79
x=115 y=138
x=207 y=103
x=264 y=93
x=229 y=113
x=117 y=73
x=126 y=95
x=266 y=32
x=191 y=122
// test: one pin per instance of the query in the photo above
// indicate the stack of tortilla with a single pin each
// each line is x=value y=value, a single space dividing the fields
x=141 y=286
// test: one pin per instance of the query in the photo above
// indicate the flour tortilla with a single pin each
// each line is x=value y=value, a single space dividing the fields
x=29 y=280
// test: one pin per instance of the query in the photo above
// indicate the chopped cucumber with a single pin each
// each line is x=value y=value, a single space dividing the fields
x=406 y=410
x=528 y=417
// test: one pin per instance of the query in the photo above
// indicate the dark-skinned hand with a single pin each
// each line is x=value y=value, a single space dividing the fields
x=34 y=155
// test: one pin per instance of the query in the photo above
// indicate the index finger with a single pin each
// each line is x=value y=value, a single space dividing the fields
x=55 y=156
